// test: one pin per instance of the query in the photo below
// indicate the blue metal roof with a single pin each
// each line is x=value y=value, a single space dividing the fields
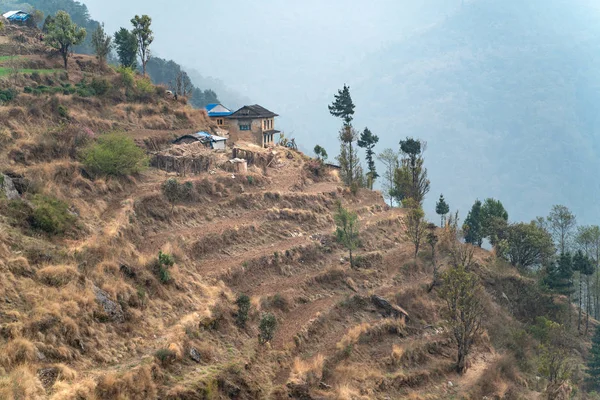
x=211 y=106
x=202 y=134
x=19 y=17
x=219 y=114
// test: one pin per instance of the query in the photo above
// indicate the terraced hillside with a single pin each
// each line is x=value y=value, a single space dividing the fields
x=96 y=311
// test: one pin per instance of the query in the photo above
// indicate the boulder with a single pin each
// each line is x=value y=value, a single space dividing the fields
x=388 y=309
x=7 y=188
x=112 y=309
x=195 y=355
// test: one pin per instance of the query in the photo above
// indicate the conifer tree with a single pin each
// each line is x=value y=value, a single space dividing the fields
x=368 y=141
x=350 y=169
x=410 y=179
x=342 y=106
x=593 y=363
x=442 y=209
x=472 y=227
x=127 y=47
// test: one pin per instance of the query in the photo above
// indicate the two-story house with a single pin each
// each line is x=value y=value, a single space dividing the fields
x=254 y=124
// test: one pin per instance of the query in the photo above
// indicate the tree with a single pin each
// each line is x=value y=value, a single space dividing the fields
x=410 y=179
x=528 y=245
x=267 y=326
x=321 y=153
x=350 y=169
x=561 y=223
x=416 y=226
x=442 y=209
x=390 y=160
x=593 y=363
x=585 y=267
x=127 y=47
x=432 y=240
x=63 y=34
x=463 y=295
x=587 y=239
x=243 y=303
x=368 y=141
x=473 y=231
x=494 y=219
x=559 y=274
x=347 y=230
x=102 y=44
x=342 y=106
x=47 y=23
x=183 y=85
x=554 y=362
x=37 y=16
x=144 y=36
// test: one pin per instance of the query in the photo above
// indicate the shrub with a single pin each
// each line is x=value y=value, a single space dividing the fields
x=162 y=265
x=100 y=85
x=63 y=111
x=28 y=89
x=144 y=89
x=174 y=191
x=51 y=215
x=115 y=154
x=7 y=95
x=56 y=276
x=127 y=76
x=243 y=303
x=267 y=326
x=165 y=356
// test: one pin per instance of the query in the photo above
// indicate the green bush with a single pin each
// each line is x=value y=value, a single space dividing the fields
x=100 y=86
x=243 y=303
x=51 y=215
x=114 y=154
x=28 y=89
x=7 y=95
x=165 y=356
x=267 y=326
x=161 y=268
x=127 y=76
x=63 y=111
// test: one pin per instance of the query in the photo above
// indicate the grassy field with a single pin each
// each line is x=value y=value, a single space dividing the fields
x=4 y=71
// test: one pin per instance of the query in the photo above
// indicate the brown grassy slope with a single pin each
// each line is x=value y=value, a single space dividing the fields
x=268 y=235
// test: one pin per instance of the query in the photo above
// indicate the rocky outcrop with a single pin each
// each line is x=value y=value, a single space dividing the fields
x=7 y=188
x=113 y=310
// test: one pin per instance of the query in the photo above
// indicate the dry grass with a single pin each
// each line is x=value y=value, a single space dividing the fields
x=57 y=275
x=309 y=372
x=137 y=384
x=17 y=352
x=21 y=384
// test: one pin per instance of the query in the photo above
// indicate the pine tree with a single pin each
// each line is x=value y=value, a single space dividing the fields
x=347 y=230
x=342 y=106
x=368 y=141
x=472 y=228
x=442 y=209
x=127 y=47
x=350 y=169
x=593 y=363
x=410 y=179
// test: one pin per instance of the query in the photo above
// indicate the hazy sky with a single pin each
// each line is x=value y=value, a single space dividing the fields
x=273 y=51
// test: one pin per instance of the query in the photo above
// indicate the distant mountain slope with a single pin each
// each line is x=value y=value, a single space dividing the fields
x=506 y=94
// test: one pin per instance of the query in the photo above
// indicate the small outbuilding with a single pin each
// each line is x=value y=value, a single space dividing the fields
x=208 y=140
x=17 y=16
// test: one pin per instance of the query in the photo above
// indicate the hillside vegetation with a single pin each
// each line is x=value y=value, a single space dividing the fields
x=132 y=283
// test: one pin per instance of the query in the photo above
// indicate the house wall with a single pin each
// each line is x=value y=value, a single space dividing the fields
x=254 y=135
x=222 y=122
x=220 y=145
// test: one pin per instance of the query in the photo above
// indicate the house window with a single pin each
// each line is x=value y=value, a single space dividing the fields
x=220 y=121
x=244 y=127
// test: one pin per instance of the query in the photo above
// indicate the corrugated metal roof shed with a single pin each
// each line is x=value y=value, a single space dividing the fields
x=18 y=16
